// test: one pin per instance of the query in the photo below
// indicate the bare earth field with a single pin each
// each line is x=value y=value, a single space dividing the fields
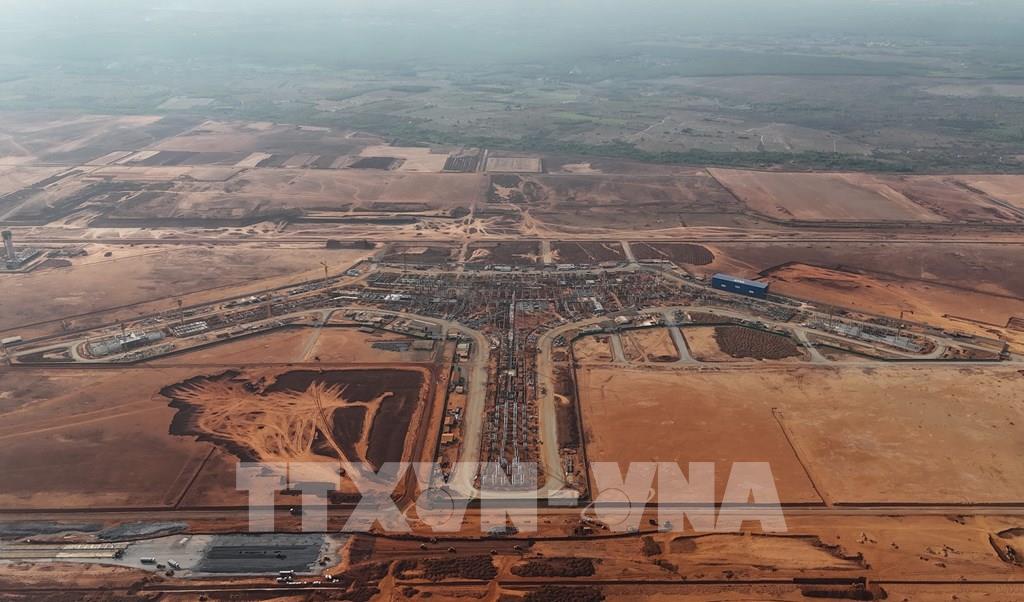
x=514 y=164
x=274 y=139
x=899 y=434
x=15 y=177
x=895 y=548
x=78 y=139
x=94 y=422
x=198 y=173
x=881 y=294
x=56 y=197
x=620 y=202
x=1004 y=188
x=262 y=192
x=655 y=344
x=348 y=345
x=283 y=345
x=158 y=274
x=682 y=193
x=413 y=158
x=943 y=196
x=822 y=197
x=703 y=346
x=637 y=415
x=97 y=420
x=988 y=268
x=335 y=344
x=866 y=435
x=594 y=349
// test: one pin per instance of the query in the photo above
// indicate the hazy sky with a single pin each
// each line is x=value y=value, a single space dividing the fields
x=454 y=30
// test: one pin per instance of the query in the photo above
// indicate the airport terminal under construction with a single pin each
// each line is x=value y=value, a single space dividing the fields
x=504 y=370
x=513 y=321
x=516 y=335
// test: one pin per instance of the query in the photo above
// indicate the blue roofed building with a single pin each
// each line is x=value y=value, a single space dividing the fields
x=740 y=286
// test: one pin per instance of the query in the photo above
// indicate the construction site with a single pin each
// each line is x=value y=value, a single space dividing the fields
x=503 y=319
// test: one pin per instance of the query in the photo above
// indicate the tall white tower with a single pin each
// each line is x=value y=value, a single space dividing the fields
x=9 y=245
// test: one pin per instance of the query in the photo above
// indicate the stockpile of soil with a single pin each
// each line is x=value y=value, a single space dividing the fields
x=741 y=342
x=554 y=593
x=555 y=567
x=469 y=567
x=651 y=547
x=568 y=425
x=1009 y=545
x=843 y=592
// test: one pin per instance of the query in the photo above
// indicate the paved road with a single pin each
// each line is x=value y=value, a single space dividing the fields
x=618 y=356
x=685 y=357
x=628 y=250
x=462 y=479
x=476 y=373
x=816 y=356
x=240 y=514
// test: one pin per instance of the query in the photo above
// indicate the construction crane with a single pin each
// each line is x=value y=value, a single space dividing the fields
x=324 y=264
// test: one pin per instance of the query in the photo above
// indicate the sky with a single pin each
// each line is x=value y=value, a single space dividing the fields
x=453 y=30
